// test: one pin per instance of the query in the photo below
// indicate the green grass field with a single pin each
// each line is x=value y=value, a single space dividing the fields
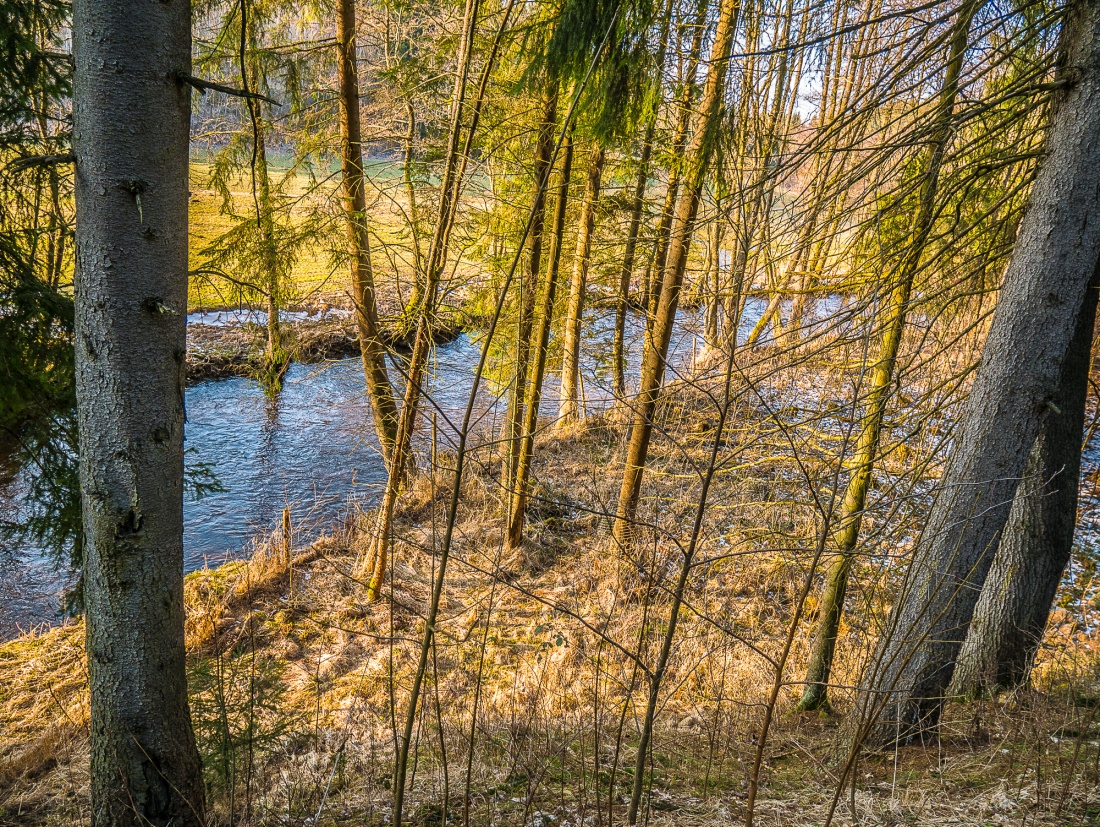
x=319 y=270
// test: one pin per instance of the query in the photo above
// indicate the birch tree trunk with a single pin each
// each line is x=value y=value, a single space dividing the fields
x=130 y=137
x=1023 y=360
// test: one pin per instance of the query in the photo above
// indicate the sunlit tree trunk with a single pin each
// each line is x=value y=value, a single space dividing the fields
x=684 y=111
x=1025 y=354
x=131 y=121
x=454 y=169
x=528 y=288
x=569 y=408
x=520 y=489
x=696 y=159
x=416 y=296
x=371 y=348
x=626 y=273
x=882 y=376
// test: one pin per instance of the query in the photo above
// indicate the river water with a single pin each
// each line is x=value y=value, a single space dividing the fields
x=312 y=449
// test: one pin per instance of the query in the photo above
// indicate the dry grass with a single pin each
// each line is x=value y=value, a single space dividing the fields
x=541 y=641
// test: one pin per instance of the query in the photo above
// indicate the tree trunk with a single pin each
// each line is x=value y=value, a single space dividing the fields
x=882 y=377
x=626 y=274
x=569 y=412
x=528 y=288
x=454 y=169
x=417 y=292
x=1012 y=611
x=1043 y=296
x=371 y=349
x=518 y=503
x=696 y=159
x=679 y=139
x=130 y=136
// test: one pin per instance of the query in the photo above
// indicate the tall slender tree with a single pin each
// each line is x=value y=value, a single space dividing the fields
x=882 y=371
x=355 y=206
x=541 y=341
x=569 y=404
x=696 y=160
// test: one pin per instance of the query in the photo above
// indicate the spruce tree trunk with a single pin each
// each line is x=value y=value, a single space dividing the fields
x=371 y=348
x=695 y=162
x=1023 y=360
x=1012 y=611
x=882 y=378
x=518 y=503
x=569 y=411
x=130 y=137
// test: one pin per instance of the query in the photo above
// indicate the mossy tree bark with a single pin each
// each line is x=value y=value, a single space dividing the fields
x=528 y=288
x=131 y=120
x=1025 y=354
x=371 y=348
x=695 y=163
x=882 y=376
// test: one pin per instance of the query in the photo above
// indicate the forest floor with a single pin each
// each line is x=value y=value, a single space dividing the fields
x=298 y=683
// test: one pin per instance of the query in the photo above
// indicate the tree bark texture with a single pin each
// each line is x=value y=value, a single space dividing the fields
x=1014 y=390
x=1012 y=611
x=130 y=138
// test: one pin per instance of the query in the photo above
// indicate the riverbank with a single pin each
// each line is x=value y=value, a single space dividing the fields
x=224 y=343
x=298 y=682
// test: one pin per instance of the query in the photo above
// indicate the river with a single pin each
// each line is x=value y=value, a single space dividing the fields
x=311 y=448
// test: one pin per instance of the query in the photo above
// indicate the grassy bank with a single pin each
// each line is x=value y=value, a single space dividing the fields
x=309 y=206
x=536 y=681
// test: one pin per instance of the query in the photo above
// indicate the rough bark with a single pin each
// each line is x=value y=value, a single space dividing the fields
x=1012 y=611
x=696 y=160
x=130 y=137
x=371 y=348
x=882 y=376
x=569 y=411
x=1022 y=362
